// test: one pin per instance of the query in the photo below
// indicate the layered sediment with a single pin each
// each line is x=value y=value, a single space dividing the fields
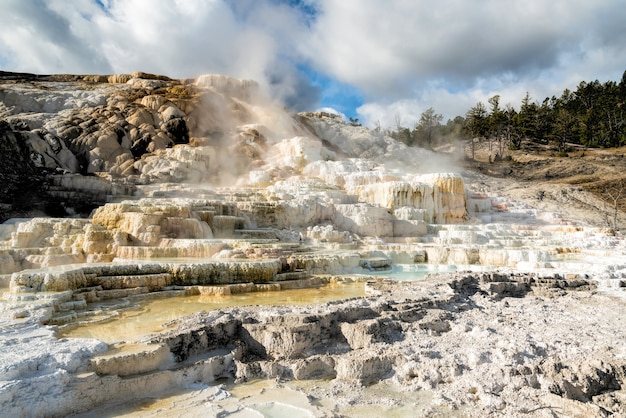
x=156 y=188
x=530 y=343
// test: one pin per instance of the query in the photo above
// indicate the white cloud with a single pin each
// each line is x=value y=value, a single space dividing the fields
x=177 y=38
x=180 y=39
x=403 y=55
x=406 y=56
x=384 y=48
x=47 y=37
x=386 y=113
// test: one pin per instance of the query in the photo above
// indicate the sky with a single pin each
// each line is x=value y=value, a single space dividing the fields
x=382 y=62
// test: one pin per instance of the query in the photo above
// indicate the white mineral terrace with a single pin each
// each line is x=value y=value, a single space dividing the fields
x=91 y=297
x=296 y=266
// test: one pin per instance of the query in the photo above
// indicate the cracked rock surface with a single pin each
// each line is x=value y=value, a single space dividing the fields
x=464 y=344
x=477 y=351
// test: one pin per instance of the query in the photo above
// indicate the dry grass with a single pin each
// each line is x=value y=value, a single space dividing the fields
x=599 y=171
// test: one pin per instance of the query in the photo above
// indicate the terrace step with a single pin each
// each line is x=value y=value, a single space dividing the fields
x=268 y=234
x=152 y=281
x=292 y=275
x=376 y=263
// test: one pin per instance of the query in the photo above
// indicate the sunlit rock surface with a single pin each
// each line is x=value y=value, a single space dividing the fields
x=206 y=187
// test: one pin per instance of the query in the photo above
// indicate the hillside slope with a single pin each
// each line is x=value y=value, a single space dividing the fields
x=587 y=184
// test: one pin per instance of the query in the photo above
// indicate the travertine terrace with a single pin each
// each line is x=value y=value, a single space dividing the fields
x=163 y=188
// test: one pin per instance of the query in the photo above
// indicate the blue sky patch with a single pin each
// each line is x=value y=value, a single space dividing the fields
x=341 y=97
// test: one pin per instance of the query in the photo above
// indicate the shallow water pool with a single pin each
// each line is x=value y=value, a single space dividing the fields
x=148 y=317
x=414 y=272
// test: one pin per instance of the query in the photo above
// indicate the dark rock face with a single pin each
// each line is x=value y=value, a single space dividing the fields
x=177 y=130
x=19 y=182
x=140 y=146
x=67 y=125
x=118 y=128
x=28 y=187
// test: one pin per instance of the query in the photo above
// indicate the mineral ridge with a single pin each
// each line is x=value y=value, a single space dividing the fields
x=123 y=188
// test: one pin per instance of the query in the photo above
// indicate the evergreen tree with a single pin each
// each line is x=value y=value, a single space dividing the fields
x=527 y=117
x=477 y=124
x=428 y=129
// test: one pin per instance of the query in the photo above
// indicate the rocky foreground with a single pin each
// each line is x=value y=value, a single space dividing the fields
x=124 y=188
x=463 y=344
x=483 y=345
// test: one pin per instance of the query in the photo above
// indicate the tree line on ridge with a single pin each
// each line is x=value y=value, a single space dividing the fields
x=593 y=116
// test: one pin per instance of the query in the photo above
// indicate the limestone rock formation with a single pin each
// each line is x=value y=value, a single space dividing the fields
x=470 y=341
x=142 y=128
x=119 y=189
x=17 y=173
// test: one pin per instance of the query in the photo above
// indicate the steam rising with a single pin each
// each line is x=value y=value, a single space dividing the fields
x=240 y=125
x=252 y=140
